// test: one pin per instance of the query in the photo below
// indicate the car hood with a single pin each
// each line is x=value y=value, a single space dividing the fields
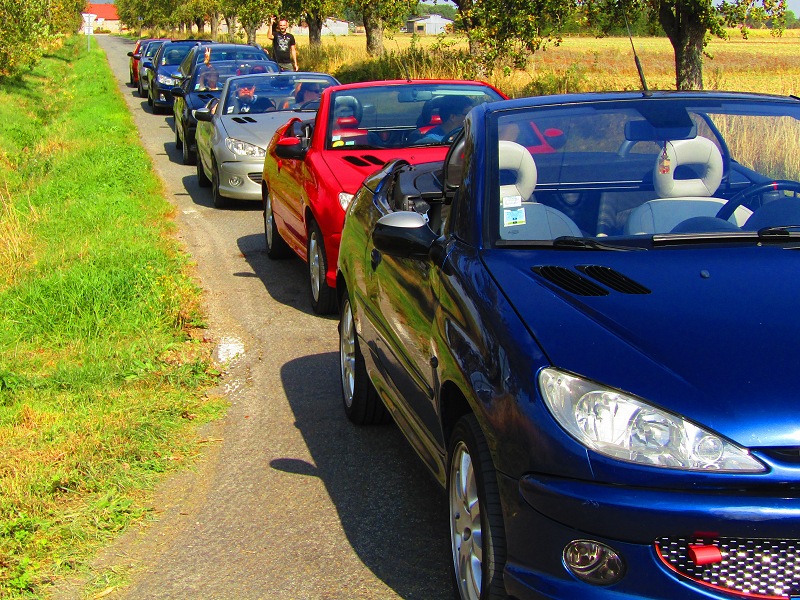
x=350 y=167
x=710 y=335
x=256 y=128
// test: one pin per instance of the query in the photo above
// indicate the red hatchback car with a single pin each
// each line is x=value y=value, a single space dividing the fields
x=314 y=165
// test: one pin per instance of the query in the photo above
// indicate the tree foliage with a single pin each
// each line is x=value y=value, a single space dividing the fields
x=28 y=27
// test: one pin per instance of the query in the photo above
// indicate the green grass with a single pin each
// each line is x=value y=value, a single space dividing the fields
x=102 y=365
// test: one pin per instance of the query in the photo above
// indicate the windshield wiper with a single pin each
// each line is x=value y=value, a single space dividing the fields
x=570 y=241
x=780 y=231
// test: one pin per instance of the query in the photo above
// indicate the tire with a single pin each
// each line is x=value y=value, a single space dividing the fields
x=178 y=140
x=189 y=157
x=476 y=515
x=202 y=179
x=361 y=402
x=140 y=88
x=276 y=246
x=219 y=200
x=150 y=97
x=323 y=298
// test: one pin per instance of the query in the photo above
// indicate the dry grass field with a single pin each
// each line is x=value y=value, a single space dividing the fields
x=761 y=63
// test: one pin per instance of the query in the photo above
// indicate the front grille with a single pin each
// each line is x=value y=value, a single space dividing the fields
x=753 y=568
x=256 y=177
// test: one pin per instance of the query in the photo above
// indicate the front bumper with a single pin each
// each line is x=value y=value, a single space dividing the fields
x=249 y=175
x=544 y=514
x=162 y=97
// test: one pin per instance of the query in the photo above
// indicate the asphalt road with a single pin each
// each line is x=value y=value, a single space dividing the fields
x=293 y=502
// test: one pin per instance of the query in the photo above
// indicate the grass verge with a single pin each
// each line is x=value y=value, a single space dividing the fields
x=103 y=367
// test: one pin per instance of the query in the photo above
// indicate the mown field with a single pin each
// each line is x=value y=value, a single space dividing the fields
x=762 y=63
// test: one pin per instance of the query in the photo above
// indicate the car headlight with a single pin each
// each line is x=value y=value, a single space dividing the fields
x=626 y=428
x=166 y=80
x=240 y=148
x=345 y=199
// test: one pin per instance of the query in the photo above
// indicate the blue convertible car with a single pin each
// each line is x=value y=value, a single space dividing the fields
x=583 y=321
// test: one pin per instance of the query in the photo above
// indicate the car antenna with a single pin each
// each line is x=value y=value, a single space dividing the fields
x=636 y=57
x=402 y=64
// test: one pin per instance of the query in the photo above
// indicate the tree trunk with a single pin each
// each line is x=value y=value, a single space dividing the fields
x=250 y=30
x=686 y=32
x=201 y=26
x=373 y=26
x=214 y=25
x=314 y=23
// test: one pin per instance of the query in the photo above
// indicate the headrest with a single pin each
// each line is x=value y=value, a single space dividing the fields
x=348 y=106
x=517 y=161
x=702 y=154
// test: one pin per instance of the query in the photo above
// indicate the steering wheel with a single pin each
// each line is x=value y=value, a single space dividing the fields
x=450 y=137
x=310 y=105
x=745 y=195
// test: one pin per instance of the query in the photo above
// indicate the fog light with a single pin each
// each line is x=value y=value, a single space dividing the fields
x=236 y=181
x=593 y=562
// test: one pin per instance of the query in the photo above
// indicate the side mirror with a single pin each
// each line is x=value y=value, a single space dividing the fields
x=130 y=54
x=404 y=234
x=291 y=148
x=177 y=92
x=203 y=114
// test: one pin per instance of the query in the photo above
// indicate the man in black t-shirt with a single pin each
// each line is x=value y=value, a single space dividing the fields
x=284 y=47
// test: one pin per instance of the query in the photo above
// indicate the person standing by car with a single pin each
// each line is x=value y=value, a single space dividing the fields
x=284 y=46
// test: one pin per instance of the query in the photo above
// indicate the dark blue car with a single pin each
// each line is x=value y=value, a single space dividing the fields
x=583 y=322
x=164 y=74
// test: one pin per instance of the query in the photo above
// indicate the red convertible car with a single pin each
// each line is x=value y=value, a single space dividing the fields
x=315 y=163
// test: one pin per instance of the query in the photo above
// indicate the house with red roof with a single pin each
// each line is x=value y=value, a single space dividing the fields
x=107 y=17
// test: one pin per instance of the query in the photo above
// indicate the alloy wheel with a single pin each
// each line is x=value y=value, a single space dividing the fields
x=347 y=353
x=465 y=524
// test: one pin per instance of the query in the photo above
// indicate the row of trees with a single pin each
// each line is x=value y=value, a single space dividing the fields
x=28 y=27
x=498 y=30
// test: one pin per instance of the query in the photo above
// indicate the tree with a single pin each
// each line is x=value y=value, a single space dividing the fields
x=378 y=15
x=689 y=23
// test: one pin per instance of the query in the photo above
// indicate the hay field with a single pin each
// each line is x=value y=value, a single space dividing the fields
x=761 y=63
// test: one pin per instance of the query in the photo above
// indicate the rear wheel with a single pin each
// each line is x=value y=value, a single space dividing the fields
x=477 y=534
x=323 y=298
x=189 y=157
x=202 y=178
x=178 y=140
x=276 y=246
x=361 y=403
x=220 y=201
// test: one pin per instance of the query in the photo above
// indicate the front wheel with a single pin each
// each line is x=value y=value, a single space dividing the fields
x=323 y=298
x=276 y=246
x=202 y=178
x=178 y=140
x=477 y=534
x=361 y=403
x=219 y=200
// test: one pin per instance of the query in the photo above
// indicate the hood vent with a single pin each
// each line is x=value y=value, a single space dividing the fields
x=364 y=160
x=570 y=281
x=613 y=279
x=244 y=120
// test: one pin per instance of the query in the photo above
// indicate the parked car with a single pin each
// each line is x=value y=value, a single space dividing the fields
x=232 y=135
x=193 y=92
x=315 y=164
x=163 y=76
x=146 y=55
x=133 y=62
x=247 y=54
x=591 y=348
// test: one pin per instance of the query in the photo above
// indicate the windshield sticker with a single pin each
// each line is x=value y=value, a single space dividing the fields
x=337 y=144
x=512 y=201
x=513 y=216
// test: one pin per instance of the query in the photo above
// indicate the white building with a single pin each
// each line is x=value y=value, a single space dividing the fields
x=430 y=25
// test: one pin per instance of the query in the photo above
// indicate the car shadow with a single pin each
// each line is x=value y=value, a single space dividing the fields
x=285 y=279
x=393 y=513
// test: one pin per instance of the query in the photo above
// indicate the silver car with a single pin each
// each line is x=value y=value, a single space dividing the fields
x=233 y=132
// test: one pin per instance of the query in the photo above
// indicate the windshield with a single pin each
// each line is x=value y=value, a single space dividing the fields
x=151 y=49
x=175 y=53
x=402 y=115
x=275 y=92
x=639 y=171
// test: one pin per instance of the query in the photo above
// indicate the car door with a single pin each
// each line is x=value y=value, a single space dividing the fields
x=404 y=292
x=287 y=187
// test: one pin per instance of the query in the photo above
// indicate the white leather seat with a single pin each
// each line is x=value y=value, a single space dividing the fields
x=681 y=199
x=521 y=219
